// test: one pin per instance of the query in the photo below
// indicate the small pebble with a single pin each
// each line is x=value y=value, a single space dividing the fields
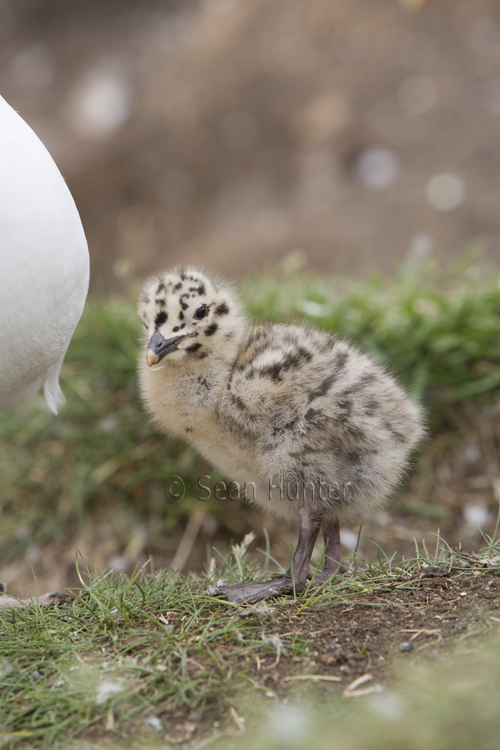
x=445 y=192
x=465 y=564
x=406 y=646
x=377 y=168
x=155 y=722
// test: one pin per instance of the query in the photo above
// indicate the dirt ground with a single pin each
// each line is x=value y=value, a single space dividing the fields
x=364 y=645
x=230 y=132
x=353 y=648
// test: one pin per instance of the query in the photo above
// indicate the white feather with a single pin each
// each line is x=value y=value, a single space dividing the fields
x=44 y=265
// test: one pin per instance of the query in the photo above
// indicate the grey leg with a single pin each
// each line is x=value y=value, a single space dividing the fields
x=333 y=554
x=295 y=578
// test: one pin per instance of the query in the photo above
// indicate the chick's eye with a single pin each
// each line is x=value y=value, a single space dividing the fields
x=201 y=312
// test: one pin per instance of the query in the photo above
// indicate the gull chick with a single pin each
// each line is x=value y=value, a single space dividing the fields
x=308 y=426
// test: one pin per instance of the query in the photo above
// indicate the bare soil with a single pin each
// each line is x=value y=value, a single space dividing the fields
x=376 y=637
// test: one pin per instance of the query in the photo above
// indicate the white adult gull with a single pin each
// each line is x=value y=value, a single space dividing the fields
x=44 y=270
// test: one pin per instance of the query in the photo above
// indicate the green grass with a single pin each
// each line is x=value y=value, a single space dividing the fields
x=138 y=647
x=129 y=650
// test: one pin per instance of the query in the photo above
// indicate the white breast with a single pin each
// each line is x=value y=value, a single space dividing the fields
x=44 y=265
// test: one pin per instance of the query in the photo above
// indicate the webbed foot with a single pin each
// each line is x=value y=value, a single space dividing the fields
x=9 y=602
x=251 y=593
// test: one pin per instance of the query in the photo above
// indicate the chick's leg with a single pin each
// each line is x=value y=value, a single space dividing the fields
x=295 y=579
x=333 y=554
x=310 y=524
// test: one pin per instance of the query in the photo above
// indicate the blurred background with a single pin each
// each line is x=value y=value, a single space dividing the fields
x=234 y=131
x=347 y=135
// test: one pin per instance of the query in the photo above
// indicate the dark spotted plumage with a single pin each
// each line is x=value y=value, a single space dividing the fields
x=193 y=347
x=198 y=290
x=222 y=309
x=276 y=404
x=160 y=319
x=294 y=360
x=211 y=329
x=271 y=371
x=204 y=385
x=370 y=408
x=323 y=387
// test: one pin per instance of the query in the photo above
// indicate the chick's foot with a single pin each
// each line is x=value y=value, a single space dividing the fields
x=9 y=602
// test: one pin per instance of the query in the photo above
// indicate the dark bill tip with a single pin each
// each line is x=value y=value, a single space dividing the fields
x=159 y=347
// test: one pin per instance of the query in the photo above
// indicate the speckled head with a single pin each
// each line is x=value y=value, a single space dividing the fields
x=189 y=313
